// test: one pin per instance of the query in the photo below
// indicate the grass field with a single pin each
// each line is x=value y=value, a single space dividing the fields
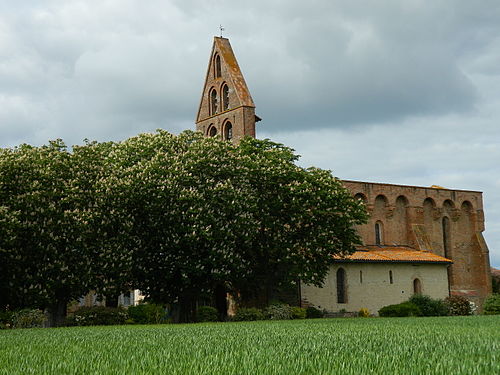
x=447 y=345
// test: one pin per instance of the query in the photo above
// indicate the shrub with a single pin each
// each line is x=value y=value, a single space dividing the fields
x=248 y=314
x=5 y=319
x=298 y=312
x=402 y=309
x=492 y=305
x=429 y=306
x=147 y=313
x=458 y=305
x=28 y=318
x=97 y=315
x=279 y=311
x=207 y=314
x=313 y=313
x=364 y=313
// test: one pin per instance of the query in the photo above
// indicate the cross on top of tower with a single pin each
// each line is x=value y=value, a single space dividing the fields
x=221 y=30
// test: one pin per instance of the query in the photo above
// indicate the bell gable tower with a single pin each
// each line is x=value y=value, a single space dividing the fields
x=226 y=106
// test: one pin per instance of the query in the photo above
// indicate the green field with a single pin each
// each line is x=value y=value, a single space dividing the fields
x=446 y=345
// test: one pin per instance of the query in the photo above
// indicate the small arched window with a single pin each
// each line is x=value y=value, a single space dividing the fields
x=341 y=286
x=213 y=102
x=391 y=280
x=361 y=277
x=228 y=131
x=225 y=98
x=446 y=236
x=212 y=131
x=379 y=233
x=417 y=286
x=218 y=71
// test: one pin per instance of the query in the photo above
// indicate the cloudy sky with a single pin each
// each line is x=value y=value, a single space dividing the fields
x=404 y=92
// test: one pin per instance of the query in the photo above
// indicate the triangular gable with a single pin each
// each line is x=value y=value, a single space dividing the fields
x=231 y=74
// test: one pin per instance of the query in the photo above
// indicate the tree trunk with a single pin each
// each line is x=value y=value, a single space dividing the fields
x=221 y=301
x=185 y=309
x=57 y=313
x=111 y=300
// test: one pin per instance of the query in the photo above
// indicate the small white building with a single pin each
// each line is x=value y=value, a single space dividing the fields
x=377 y=276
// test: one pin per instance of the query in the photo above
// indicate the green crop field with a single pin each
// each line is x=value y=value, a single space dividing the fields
x=447 y=345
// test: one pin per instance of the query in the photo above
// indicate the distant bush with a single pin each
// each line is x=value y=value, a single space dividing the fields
x=207 y=314
x=27 y=318
x=298 y=312
x=278 y=311
x=313 y=313
x=147 y=313
x=364 y=313
x=458 y=305
x=402 y=309
x=492 y=305
x=429 y=306
x=248 y=314
x=97 y=316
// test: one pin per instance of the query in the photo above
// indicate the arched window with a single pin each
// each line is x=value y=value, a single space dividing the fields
x=213 y=102
x=379 y=233
x=341 y=287
x=228 y=131
x=445 y=223
x=446 y=236
x=217 y=67
x=361 y=277
x=225 y=98
x=212 y=131
x=391 y=280
x=417 y=286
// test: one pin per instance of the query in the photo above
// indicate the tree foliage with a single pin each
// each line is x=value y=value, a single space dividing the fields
x=178 y=217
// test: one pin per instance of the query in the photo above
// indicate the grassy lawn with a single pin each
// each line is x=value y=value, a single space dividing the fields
x=446 y=345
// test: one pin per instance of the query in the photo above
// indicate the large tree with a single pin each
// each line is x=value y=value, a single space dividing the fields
x=304 y=217
x=46 y=252
x=211 y=217
x=183 y=218
x=190 y=216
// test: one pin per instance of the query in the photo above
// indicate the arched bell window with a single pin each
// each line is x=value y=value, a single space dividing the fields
x=341 y=286
x=213 y=102
x=225 y=98
x=228 y=131
x=212 y=131
x=218 y=70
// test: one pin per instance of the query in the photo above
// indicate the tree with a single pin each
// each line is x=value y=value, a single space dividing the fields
x=183 y=218
x=304 y=216
x=210 y=217
x=46 y=250
x=189 y=216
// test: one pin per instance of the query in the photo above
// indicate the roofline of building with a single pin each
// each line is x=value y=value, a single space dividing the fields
x=391 y=261
x=411 y=186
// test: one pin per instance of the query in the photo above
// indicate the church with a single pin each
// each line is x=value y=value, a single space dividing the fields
x=418 y=240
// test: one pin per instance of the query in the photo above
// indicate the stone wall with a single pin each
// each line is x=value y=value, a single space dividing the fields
x=447 y=222
x=368 y=285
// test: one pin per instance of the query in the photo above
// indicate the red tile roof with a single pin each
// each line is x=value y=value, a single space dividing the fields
x=391 y=254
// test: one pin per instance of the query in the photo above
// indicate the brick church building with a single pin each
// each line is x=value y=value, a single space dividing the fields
x=424 y=240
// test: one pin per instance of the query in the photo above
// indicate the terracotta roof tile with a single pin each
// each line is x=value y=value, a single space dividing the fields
x=399 y=254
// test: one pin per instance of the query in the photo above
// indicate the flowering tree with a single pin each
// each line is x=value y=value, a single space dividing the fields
x=45 y=251
x=303 y=216
x=182 y=218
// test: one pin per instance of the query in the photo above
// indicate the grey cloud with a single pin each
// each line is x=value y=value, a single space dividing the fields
x=401 y=92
